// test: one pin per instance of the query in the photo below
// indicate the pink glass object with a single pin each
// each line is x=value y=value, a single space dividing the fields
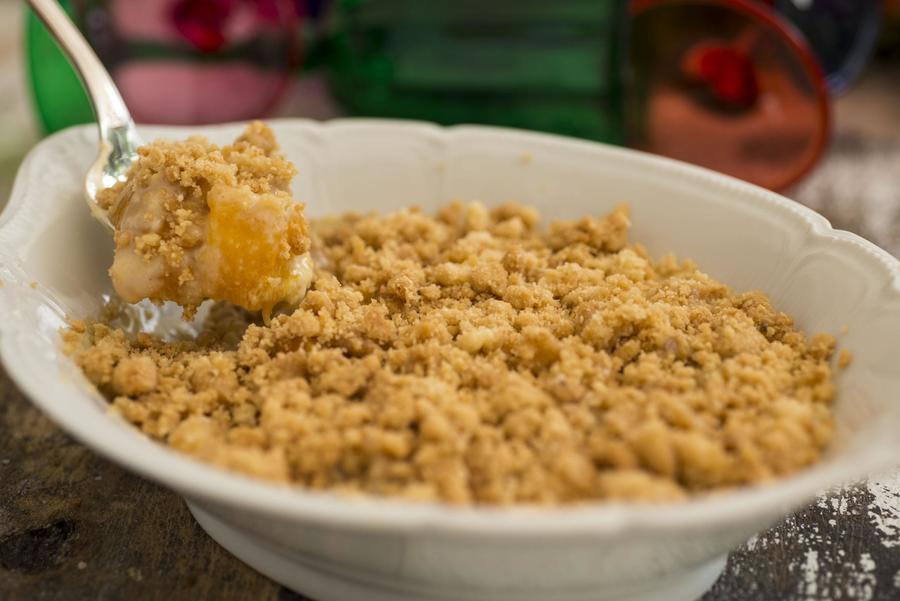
x=728 y=85
x=196 y=61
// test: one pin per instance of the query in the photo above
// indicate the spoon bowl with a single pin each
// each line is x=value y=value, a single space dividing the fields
x=117 y=153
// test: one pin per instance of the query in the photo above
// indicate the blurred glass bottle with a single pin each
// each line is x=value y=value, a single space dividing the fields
x=551 y=66
x=175 y=61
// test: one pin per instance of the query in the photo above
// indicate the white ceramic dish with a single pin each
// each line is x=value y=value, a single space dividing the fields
x=335 y=549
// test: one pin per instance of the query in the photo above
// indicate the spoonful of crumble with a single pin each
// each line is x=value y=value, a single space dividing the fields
x=191 y=220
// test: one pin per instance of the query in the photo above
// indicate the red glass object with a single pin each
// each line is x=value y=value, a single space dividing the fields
x=196 y=61
x=726 y=71
x=728 y=85
x=202 y=22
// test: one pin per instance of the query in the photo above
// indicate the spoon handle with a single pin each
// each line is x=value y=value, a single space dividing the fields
x=109 y=108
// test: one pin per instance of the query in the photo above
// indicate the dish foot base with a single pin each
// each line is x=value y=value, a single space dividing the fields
x=321 y=584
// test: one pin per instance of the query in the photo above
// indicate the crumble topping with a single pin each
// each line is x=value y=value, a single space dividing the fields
x=476 y=357
x=196 y=221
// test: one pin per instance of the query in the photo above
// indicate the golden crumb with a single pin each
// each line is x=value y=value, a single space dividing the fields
x=526 y=158
x=33 y=285
x=845 y=329
x=196 y=221
x=476 y=357
x=845 y=358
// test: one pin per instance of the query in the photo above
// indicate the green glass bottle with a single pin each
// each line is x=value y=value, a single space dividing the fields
x=551 y=66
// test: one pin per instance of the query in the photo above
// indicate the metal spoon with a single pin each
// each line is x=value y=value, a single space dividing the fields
x=118 y=137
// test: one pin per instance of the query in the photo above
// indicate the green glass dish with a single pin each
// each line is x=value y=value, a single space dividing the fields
x=554 y=67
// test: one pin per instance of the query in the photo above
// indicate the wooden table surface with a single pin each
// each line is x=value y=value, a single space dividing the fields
x=76 y=527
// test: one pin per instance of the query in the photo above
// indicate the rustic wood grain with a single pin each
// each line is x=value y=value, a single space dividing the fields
x=75 y=527
x=830 y=551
